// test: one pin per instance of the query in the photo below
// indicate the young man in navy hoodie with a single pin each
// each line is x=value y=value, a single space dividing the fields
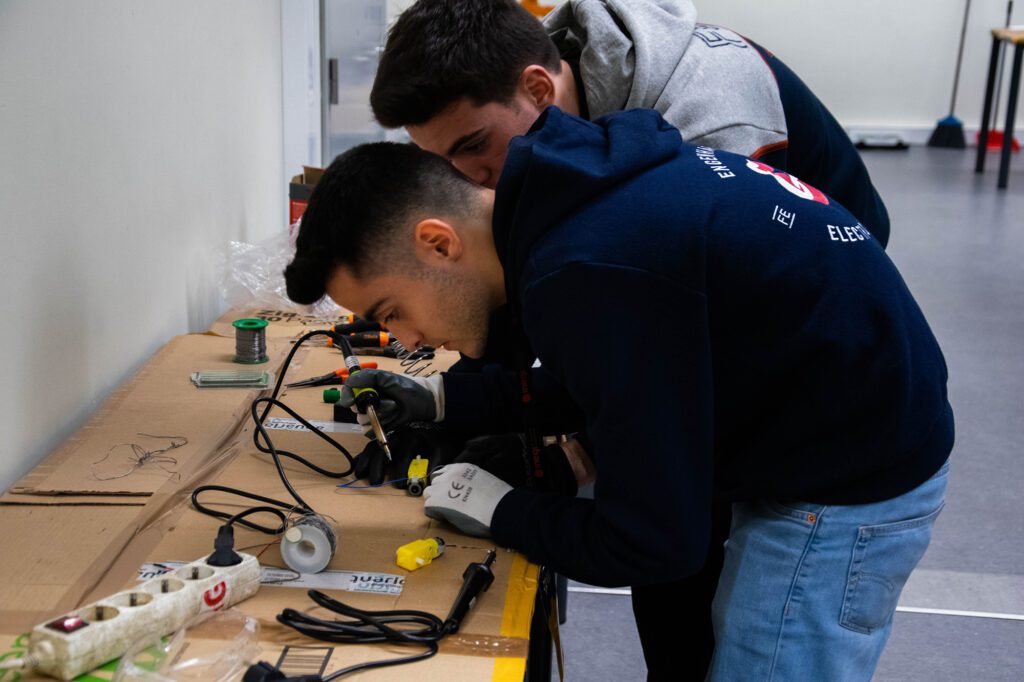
x=803 y=381
x=465 y=76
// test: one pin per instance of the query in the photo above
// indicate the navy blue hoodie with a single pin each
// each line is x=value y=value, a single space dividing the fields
x=792 y=363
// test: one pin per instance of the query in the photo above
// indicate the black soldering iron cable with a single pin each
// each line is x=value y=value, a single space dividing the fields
x=267 y=447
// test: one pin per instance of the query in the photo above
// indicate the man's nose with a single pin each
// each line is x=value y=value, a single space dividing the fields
x=411 y=339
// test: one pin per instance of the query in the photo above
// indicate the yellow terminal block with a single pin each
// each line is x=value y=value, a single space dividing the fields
x=419 y=553
x=417 y=476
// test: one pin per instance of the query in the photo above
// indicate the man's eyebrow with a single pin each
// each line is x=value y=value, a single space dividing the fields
x=371 y=312
x=459 y=143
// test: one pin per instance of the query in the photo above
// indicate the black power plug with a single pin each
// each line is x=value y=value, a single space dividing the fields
x=224 y=553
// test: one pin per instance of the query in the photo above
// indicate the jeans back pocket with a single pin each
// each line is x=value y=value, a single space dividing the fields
x=882 y=561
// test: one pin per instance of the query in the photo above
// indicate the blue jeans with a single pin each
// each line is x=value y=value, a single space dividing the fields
x=808 y=591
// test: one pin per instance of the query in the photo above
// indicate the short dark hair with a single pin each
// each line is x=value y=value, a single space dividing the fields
x=361 y=203
x=439 y=51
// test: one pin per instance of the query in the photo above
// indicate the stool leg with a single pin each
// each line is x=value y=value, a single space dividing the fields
x=1011 y=114
x=986 y=111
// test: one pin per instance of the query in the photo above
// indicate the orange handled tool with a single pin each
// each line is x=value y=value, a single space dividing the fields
x=338 y=376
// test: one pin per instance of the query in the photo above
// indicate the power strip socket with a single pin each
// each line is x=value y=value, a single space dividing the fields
x=92 y=635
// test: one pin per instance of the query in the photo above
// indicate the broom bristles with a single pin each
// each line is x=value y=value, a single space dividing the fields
x=949 y=133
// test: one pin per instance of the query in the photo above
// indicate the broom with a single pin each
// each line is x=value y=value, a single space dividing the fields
x=949 y=132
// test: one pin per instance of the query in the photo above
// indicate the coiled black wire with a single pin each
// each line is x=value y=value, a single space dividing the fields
x=368 y=627
x=264 y=443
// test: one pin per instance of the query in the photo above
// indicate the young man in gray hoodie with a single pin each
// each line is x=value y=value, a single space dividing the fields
x=465 y=76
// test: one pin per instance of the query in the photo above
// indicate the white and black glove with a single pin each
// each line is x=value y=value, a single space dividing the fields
x=403 y=399
x=506 y=456
x=465 y=496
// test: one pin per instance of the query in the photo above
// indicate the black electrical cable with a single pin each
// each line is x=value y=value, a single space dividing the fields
x=276 y=507
x=374 y=627
x=368 y=627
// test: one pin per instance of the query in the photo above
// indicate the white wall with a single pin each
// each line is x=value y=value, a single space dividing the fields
x=300 y=56
x=875 y=63
x=136 y=137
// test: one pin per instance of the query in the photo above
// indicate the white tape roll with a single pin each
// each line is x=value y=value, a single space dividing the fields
x=309 y=545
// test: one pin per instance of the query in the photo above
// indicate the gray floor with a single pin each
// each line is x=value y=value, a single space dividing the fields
x=960 y=246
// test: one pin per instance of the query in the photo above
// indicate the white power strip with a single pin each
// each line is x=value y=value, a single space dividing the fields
x=92 y=635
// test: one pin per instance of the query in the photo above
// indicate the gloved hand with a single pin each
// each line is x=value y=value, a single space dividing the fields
x=373 y=466
x=465 y=496
x=406 y=442
x=507 y=457
x=403 y=399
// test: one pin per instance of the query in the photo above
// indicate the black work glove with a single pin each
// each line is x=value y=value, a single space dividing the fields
x=406 y=443
x=403 y=399
x=507 y=456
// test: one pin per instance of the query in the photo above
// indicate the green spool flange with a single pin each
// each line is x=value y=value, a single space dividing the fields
x=332 y=395
x=249 y=323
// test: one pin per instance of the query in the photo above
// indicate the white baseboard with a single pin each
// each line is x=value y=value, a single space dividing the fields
x=908 y=134
x=914 y=135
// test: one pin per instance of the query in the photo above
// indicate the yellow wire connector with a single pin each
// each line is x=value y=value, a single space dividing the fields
x=417 y=476
x=419 y=553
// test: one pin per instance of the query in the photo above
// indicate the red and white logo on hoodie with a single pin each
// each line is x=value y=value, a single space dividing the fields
x=791 y=184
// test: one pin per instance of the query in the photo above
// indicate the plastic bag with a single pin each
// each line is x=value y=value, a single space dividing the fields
x=252 y=275
x=212 y=647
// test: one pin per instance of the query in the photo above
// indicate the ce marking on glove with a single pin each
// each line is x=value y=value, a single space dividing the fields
x=456 y=487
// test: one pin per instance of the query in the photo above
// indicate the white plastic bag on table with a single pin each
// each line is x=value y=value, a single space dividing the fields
x=216 y=646
x=252 y=275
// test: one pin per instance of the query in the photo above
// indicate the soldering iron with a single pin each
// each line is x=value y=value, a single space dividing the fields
x=367 y=399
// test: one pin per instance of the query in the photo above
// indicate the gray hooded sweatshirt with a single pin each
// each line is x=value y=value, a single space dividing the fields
x=705 y=80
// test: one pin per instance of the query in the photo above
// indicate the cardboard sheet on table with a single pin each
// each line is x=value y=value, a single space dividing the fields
x=53 y=555
x=444 y=667
x=159 y=400
x=371 y=523
x=281 y=323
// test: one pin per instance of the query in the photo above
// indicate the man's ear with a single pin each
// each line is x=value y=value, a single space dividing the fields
x=538 y=85
x=436 y=240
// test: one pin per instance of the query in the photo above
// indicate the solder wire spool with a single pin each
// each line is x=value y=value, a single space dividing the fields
x=250 y=341
x=309 y=544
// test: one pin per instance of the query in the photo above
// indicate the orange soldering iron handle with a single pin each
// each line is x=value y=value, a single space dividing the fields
x=369 y=339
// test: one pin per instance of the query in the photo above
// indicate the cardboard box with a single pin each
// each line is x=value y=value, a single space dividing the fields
x=299 y=191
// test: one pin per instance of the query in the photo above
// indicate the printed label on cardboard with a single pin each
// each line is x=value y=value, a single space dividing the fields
x=285 y=424
x=349 y=581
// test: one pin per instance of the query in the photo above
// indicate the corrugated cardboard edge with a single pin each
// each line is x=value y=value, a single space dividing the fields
x=69 y=500
x=129 y=549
